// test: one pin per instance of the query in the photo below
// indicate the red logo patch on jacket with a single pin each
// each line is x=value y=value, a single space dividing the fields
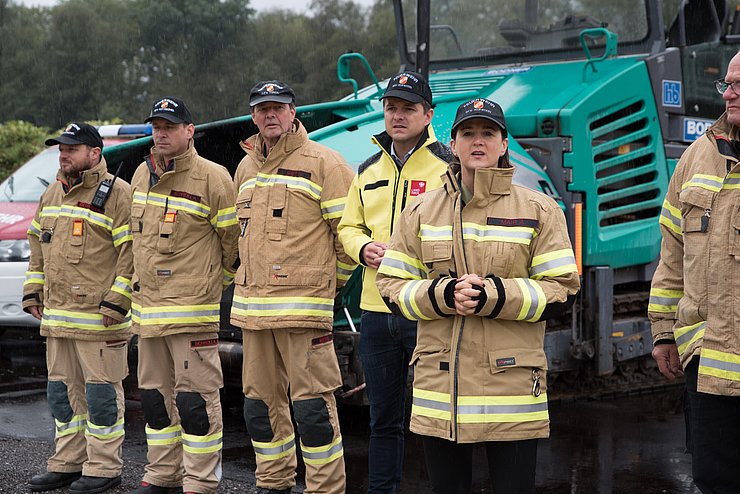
x=322 y=339
x=526 y=222
x=85 y=205
x=505 y=362
x=185 y=195
x=417 y=187
x=204 y=343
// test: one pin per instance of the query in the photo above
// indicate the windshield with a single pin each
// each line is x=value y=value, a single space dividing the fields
x=472 y=29
x=28 y=182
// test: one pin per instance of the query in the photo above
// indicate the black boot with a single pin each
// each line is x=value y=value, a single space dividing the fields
x=147 y=488
x=93 y=485
x=262 y=490
x=52 y=480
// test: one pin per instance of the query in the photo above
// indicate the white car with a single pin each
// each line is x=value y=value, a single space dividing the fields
x=19 y=197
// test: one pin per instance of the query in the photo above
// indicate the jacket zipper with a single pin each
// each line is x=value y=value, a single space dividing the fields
x=456 y=367
x=395 y=192
x=405 y=191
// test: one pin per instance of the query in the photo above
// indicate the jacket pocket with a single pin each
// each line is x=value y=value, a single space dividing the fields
x=86 y=296
x=297 y=275
x=112 y=361
x=137 y=218
x=518 y=371
x=167 y=232
x=182 y=286
x=323 y=367
x=277 y=214
x=696 y=209
x=437 y=257
x=76 y=236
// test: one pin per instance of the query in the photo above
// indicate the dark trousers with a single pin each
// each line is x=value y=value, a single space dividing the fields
x=385 y=351
x=712 y=437
x=511 y=465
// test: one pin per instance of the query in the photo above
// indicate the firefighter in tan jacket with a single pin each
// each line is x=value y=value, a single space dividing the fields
x=79 y=285
x=481 y=264
x=694 y=299
x=291 y=194
x=185 y=231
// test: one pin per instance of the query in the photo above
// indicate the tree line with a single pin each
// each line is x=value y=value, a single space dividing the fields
x=110 y=59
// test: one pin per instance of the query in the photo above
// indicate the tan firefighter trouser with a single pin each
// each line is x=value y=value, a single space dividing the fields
x=302 y=360
x=86 y=400
x=179 y=378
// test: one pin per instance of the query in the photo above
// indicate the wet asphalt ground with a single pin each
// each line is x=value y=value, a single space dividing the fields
x=625 y=444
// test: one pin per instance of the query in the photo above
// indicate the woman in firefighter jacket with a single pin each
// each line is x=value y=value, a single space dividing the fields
x=481 y=264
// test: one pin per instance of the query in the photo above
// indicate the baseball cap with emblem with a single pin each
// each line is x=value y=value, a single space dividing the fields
x=409 y=86
x=172 y=109
x=275 y=91
x=78 y=133
x=480 y=108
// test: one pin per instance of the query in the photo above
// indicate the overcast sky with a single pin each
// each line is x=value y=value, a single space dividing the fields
x=299 y=5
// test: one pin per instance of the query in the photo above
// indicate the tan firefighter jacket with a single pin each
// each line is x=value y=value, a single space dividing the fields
x=81 y=264
x=379 y=193
x=289 y=204
x=481 y=377
x=185 y=231
x=694 y=298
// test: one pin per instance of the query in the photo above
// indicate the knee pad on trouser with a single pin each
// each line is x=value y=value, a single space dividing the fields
x=193 y=414
x=257 y=418
x=101 y=403
x=56 y=395
x=314 y=426
x=155 y=411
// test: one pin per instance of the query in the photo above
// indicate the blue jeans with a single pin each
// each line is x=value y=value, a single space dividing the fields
x=386 y=346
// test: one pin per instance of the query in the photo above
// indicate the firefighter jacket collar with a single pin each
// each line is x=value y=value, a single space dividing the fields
x=489 y=183
x=183 y=162
x=384 y=141
x=287 y=143
x=90 y=177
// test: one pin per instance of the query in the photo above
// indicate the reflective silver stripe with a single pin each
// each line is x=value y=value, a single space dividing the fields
x=668 y=215
x=77 y=424
x=77 y=320
x=698 y=180
x=435 y=405
x=534 y=305
x=118 y=236
x=226 y=217
x=202 y=444
x=344 y=271
x=123 y=286
x=663 y=300
x=499 y=232
x=732 y=181
x=555 y=263
x=332 y=209
x=100 y=431
x=34 y=230
x=718 y=364
x=171 y=201
x=156 y=436
x=174 y=315
x=408 y=297
x=686 y=337
x=279 y=179
x=281 y=306
x=500 y=409
x=283 y=448
x=322 y=455
x=34 y=276
x=77 y=212
x=447 y=234
x=395 y=263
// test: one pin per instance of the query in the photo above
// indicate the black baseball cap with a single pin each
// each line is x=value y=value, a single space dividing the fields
x=270 y=91
x=172 y=109
x=480 y=108
x=78 y=133
x=409 y=86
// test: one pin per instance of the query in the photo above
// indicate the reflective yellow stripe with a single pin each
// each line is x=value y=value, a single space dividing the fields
x=172 y=203
x=431 y=404
x=122 y=285
x=556 y=263
x=663 y=300
x=499 y=409
x=274 y=450
x=686 y=335
x=282 y=306
x=333 y=209
x=399 y=265
x=344 y=270
x=75 y=425
x=533 y=300
x=171 y=314
x=719 y=364
x=732 y=181
x=163 y=437
x=78 y=212
x=407 y=301
x=225 y=217
x=430 y=233
x=670 y=217
x=105 y=432
x=228 y=277
x=34 y=277
x=34 y=229
x=202 y=444
x=80 y=320
x=708 y=182
x=321 y=455
x=300 y=183
x=495 y=233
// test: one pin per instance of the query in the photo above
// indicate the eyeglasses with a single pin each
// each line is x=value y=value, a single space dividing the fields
x=722 y=86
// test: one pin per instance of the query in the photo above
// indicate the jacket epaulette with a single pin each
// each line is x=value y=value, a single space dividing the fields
x=441 y=151
x=372 y=159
